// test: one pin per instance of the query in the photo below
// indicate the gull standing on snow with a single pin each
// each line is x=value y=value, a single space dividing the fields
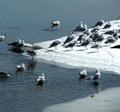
x=85 y=41
x=98 y=37
x=71 y=45
x=81 y=28
x=55 y=43
x=110 y=32
x=108 y=25
x=69 y=38
x=111 y=39
x=99 y=23
x=81 y=24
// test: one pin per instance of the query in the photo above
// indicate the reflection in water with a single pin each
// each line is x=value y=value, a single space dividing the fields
x=31 y=65
x=97 y=87
x=40 y=87
x=16 y=50
x=19 y=72
x=50 y=29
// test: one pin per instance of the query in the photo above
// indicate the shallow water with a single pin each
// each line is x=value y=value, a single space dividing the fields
x=30 y=20
x=20 y=93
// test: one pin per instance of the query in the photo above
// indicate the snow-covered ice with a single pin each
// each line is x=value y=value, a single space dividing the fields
x=103 y=57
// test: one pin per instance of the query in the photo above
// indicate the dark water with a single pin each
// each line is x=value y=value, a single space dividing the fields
x=30 y=20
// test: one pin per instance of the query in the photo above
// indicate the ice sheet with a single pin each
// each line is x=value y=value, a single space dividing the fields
x=106 y=101
x=104 y=58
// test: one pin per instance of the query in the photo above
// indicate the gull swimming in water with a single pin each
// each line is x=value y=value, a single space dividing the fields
x=4 y=75
x=56 y=23
x=15 y=43
x=96 y=77
x=83 y=74
x=2 y=37
x=21 y=67
x=41 y=79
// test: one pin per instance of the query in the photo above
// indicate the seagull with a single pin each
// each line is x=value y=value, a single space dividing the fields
x=108 y=25
x=55 y=43
x=110 y=39
x=98 y=37
x=81 y=24
x=72 y=44
x=17 y=46
x=2 y=37
x=69 y=38
x=83 y=74
x=21 y=67
x=87 y=32
x=15 y=43
x=116 y=46
x=110 y=32
x=81 y=37
x=96 y=77
x=96 y=45
x=55 y=23
x=85 y=26
x=86 y=42
x=21 y=44
x=99 y=23
x=95 y=29
x=115 y=35
x=4 y=75
x=41 y=79
x=81 y=28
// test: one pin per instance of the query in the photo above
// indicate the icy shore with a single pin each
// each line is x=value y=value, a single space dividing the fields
x=106 y=101
x=103 y=57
